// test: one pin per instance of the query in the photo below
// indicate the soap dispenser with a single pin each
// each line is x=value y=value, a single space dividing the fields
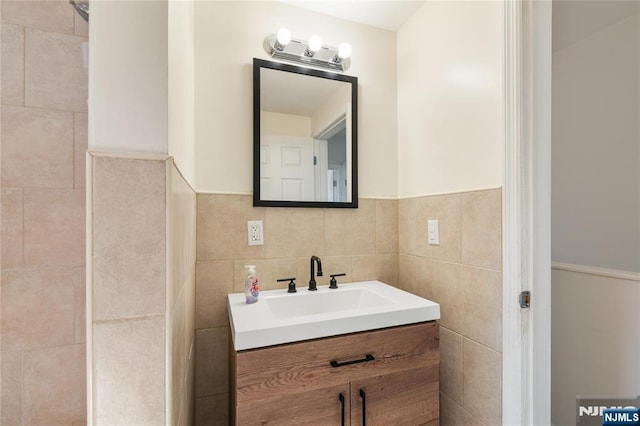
x=251 y=287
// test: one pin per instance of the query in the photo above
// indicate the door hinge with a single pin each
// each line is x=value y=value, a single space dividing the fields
x=525 y=299
x=315 y=160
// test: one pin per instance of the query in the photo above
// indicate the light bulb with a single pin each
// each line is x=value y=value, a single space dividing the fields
x=344 y=50
x=315 y=43
x=283 y=36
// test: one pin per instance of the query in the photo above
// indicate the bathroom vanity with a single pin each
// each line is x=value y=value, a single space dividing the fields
x=381 y=377
x=373 y=360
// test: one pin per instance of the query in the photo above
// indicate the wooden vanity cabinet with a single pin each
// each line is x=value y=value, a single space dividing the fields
x=295 y=384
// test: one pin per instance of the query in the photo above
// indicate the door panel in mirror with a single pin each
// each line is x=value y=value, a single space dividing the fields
x=305 y=137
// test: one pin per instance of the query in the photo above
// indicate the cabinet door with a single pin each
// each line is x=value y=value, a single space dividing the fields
x=408 y=397
x=321 y=407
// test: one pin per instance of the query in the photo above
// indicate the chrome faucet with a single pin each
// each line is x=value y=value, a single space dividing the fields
x=312 y=280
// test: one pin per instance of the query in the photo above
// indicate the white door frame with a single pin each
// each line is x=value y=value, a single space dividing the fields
x=526 y=369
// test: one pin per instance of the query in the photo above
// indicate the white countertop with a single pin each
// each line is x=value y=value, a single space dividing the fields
x=280 y=317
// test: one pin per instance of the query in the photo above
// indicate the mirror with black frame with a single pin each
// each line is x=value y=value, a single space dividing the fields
x=304 y=137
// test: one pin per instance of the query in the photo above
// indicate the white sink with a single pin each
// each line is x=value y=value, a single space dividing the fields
x=281 y=317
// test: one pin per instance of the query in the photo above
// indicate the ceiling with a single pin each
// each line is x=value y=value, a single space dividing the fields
x=311 y=93
x=385 y=14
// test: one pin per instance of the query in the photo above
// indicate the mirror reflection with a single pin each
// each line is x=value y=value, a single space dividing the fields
x=305 y=134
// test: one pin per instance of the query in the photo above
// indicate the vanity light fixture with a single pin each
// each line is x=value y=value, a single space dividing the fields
x=312 y=53
x=314 y=45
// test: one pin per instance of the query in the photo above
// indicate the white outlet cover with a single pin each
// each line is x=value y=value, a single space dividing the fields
x=255 y=233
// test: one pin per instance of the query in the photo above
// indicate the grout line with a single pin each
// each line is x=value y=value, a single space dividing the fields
x=22 y=393
x=23 y=260
x=24 y=66
x=44 y=108
x=128 y=319
x=73 y=152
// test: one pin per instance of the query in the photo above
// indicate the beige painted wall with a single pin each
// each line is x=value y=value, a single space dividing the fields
x=273 y=123
x=181 y=89
x=128 y=76
x=228 y=35
x=450 y=125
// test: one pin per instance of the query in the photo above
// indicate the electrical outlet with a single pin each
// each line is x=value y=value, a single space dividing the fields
x=434 y=232
x=255 y=232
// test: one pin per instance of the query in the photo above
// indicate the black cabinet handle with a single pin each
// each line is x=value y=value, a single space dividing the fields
x=367 y=358
x=341 y=398
x=364 y=408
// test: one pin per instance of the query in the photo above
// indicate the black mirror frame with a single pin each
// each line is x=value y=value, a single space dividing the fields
x=257 y=202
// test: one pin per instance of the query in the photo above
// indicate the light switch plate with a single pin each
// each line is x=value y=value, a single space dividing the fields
x=255 y=232
x=433 y=226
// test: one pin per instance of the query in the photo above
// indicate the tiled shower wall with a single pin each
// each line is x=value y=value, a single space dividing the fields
x=464 y=275
x=44 y=138
x=361 y=242
x=143 y=219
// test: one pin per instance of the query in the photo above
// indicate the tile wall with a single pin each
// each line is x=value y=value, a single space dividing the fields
x=363 y=243
x=142 y=282
x=44 y=138
x=464 y=275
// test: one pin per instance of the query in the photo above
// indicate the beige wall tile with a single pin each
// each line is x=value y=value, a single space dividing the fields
x=482 y=382
x=179 y=358
x=80 y=141
x=451 y=364
x=446 y=209
x=183 y=233
x=37 y=308
x=11 y=385
x=37 y=148
x=212 y=361
x=54 y=227
x=12 y=64
x=269 y=271
x=222 y=227
x=11 y=230
x=290 y=232
x=416 y=275
x=350 y=231
x=452 y=414
x=386 y=226
x=448 y=291
x=481 y=225
x=407 y=214
x=214 y=280
x=55 y=76
x=190 y=309
x=413 y=216
x=80 y=26
x=482 y=306
x=129 y=234
x=212 y=410
x=129 y=359
x=54 y=385
x=80 y=303
x=382 y=267
x=50 y=15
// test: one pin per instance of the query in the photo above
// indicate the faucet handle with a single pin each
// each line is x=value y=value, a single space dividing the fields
x=333 y=284
x=292 y=284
